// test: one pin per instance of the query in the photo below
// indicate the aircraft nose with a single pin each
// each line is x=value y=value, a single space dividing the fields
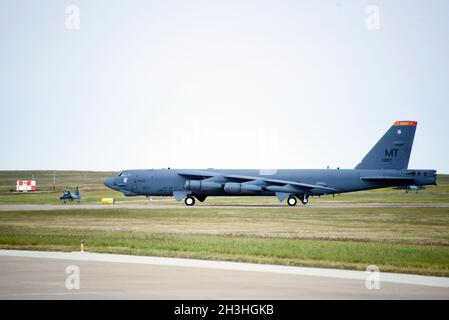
x=109 y=182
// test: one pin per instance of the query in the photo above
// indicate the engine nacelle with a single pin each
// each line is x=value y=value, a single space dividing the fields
x=199 y=185
x=234 y=187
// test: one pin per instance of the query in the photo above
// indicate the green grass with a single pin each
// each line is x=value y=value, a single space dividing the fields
x=89 y=182
x=410 y=240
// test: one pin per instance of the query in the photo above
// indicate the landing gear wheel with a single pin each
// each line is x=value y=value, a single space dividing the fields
x=291 y=201
x=189 y=201
x=305 y=200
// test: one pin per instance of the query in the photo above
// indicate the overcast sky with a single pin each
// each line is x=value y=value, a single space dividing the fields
x=224 y=84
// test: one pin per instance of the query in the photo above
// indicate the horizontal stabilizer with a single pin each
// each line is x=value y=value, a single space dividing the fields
x=387 y=178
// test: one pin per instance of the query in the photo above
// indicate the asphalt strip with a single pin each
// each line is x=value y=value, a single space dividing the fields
x=442 y=282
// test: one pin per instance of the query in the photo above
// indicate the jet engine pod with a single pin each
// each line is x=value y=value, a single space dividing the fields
x=199 y=185
x=233 y=187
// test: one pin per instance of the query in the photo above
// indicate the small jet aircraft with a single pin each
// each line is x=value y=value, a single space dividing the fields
x=385 y=165
x=67 y=195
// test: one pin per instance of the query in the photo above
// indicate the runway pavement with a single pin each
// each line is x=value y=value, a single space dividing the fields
x=42 y=275
x=149 y=206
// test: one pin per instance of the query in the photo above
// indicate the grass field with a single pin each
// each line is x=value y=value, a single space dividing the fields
x=90 y=183
x=409 y=240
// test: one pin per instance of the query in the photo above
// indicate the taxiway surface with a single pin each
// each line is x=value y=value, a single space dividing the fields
x=42 y=275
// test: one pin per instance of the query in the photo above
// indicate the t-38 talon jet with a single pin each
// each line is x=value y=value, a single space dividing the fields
x=385 y=165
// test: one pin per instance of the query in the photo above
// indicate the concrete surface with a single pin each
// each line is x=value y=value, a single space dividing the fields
x=42 y=275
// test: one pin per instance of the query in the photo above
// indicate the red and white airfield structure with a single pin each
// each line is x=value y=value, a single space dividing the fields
x=26 y=185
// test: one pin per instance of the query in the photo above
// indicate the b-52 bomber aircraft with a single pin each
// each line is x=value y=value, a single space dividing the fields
x=385 y=165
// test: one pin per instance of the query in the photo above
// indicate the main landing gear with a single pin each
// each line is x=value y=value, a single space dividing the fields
x=291 y=201
x=189 y=201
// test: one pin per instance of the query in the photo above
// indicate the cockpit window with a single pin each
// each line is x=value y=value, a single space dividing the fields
x=123 y=174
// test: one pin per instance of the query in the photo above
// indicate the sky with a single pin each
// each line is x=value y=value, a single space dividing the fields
x=111 y=85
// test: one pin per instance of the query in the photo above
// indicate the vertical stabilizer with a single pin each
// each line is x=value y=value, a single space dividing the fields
x=393 y=149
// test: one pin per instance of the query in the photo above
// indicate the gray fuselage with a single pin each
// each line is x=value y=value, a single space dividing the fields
x=163 y=182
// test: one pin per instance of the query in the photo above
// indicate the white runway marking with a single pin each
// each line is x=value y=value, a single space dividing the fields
x=442 y=282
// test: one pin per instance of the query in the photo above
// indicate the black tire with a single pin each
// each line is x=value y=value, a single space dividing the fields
x=189 y=201
x=291 y=201
x=305 y=200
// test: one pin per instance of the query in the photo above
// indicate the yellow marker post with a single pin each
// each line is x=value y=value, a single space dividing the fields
x=82 y=246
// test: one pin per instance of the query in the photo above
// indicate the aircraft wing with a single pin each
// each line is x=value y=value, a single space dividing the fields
x=300 y=185
x=266 y=181
x=198 y=174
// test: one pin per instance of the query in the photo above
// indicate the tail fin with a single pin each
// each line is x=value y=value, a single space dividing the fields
x=393 y=149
